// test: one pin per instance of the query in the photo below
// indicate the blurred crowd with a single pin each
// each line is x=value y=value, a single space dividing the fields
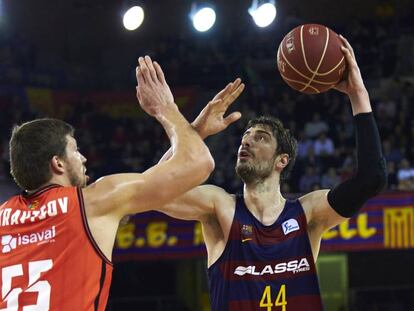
x=322 y=124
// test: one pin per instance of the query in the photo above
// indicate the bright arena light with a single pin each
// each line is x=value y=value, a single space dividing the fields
x=133 y=18
x=263 y=15
x=204 y=19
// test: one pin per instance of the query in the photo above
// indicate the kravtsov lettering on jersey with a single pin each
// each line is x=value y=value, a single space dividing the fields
x=10 y=217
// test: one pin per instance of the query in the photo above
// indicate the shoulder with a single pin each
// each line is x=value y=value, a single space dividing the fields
x=318 y=211
x=215 y=195
x=313 y=198
x=221 y=202
x=216 y=191
x=313 y=202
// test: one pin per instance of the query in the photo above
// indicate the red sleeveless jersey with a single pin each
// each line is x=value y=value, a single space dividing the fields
x=48 y=258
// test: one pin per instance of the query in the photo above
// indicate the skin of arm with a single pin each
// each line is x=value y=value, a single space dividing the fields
x=112 y=197
x=210 y=205
x=211 y=119
x=214 y=208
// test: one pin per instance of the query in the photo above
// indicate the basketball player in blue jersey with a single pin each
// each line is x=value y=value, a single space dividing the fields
x=262 y=247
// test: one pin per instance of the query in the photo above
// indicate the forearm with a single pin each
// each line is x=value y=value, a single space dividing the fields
x=168 y=154
x=371 y=175
x=360 y=102
x=186 y=144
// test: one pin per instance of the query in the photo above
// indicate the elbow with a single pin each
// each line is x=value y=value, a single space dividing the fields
x=380 y=176
x=202 y=163
x=382 y=181
x=376 y=179
x=210 y=164
x=206 y=164
x=375 y=185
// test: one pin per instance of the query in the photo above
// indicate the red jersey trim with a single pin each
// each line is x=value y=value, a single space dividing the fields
x=39 y=191
x=101 y=285
x=88 y=232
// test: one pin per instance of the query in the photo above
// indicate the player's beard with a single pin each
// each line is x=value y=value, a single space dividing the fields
x=253 y=173
x=76 y=179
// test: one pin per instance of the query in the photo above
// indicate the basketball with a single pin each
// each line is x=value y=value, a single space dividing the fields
x=310 y=59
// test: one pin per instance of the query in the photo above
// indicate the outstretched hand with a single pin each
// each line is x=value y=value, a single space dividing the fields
x=153 y=92
x=211 y=119
x=352 y=82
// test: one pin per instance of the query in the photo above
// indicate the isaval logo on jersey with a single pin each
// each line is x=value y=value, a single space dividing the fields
x=9 y=242
x=290 y=225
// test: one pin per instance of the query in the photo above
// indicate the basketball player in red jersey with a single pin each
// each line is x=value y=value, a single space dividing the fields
x=261 y=247
x=57 y=236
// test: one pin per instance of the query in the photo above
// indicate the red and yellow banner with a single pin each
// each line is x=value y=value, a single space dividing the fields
x=116 y=104
x=385 y=222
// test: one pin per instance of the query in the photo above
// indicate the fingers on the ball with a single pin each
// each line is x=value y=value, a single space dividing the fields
x=347 y=45
x=350 y=59
x=159 y=72
x=345 y=41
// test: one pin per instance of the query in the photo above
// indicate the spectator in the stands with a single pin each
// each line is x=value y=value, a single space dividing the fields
x=316 y=126
x=330 y=179
x=307 y=181
x=323 y=146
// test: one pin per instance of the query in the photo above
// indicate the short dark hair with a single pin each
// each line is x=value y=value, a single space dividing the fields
x=32 y=145
x=286 y=143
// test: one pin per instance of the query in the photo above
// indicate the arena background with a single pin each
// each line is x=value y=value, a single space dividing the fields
x=74 y=60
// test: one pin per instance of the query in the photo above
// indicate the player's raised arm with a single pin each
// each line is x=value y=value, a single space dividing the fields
x=328 y=208
x=211 y=119
x=199 y=203
x=190 y=164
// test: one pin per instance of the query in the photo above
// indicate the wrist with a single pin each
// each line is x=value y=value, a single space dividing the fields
x=360 y=102
x=359 y=94
x=199 y=130
x=166 y=111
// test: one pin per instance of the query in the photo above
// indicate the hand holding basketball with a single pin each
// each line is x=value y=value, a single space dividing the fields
x=310 y=59
x=352 y=82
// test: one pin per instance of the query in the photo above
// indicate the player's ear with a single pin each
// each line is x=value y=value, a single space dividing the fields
x=282 y=161
x=57 y=165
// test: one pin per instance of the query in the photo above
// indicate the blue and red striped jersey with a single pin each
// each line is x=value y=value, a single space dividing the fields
x=266 y=268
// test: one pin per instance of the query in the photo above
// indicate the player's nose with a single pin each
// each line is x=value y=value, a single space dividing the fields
x=246 y=141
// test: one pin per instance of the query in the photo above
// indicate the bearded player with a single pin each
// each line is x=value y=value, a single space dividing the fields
x=261 y=247
x=57 y=236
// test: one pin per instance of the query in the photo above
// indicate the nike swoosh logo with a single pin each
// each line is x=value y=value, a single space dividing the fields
x=245 y=240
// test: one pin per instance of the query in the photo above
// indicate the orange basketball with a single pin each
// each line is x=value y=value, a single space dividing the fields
x=310 y=59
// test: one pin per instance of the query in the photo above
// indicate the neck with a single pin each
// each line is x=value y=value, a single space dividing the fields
x=55 y=180
x=29 y=192
x=264 y=199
